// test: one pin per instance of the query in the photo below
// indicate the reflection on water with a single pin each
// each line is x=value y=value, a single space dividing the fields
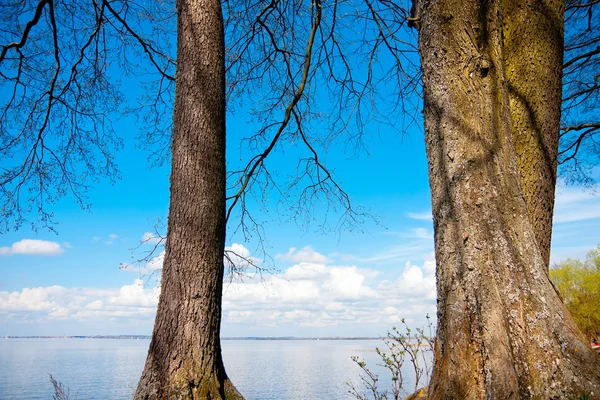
x=109 y=368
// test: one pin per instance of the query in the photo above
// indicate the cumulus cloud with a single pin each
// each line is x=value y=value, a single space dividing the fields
x=57 y=302
x=308 y=295
x=305 y=270
x=33 y=299
x=135 y=295
x=238 y=259
x=429 y=264
x=312 y=294
x=306 y=254
x=348 y=284
x=33 y=247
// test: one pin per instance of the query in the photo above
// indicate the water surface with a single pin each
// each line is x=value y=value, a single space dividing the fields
x=105 y=369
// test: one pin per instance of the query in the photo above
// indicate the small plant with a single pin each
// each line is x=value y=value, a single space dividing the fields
x=60 y=391
x=412 y=348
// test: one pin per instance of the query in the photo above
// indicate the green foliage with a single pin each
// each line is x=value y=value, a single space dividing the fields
x=579 y=285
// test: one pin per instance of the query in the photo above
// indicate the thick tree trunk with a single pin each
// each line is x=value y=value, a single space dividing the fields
x=184 y=359
x=533 y=48
x=503 y=332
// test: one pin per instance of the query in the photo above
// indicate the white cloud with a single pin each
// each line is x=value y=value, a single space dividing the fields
x=306 y=254
x=575 y=204
x=110 y=239
x=95 y=305
x=411 y=244
x=34 y=299
x=394 y=254
x=342 y=256
x=236 y=254
x=422 y=216
x=305 y=270
x=307 y=295
x=429 y=264
x=59 y=313
x=412 y=274
x=239 y=259
x=239 y=250
x=576 y=221
x=310 y=294
x=151 y=238
x=416 y=285
x=49 y=303
x=135 y=295
x=33 y=247
x=422 y=233
x=149 y=267
x=347 y=283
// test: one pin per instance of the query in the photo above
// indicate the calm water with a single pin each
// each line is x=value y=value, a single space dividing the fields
x=106 y=369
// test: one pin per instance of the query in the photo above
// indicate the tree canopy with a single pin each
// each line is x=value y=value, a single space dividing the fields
x=579 y=285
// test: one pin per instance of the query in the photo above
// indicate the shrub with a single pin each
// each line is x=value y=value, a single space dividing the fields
x=414 y=349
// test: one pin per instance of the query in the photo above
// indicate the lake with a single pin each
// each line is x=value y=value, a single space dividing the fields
x=106 y=369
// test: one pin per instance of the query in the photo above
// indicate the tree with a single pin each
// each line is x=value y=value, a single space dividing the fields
x=535 y=102
x=502 y=330
x=60 y=66
x=184 y=359
x=66 y=88
x=579 y=286
x=494 y=296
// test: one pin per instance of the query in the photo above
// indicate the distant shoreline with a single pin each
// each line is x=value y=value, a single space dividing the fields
x=145 y=337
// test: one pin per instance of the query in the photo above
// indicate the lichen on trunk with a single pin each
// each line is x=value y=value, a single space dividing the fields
x=533 y=58
x=502 y=329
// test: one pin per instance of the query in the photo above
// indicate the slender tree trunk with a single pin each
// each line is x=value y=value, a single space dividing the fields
x=184 y=359
x=503 y=332
x=533 y=48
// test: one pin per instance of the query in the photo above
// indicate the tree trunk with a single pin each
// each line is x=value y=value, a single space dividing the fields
x=533 y=48
x=184 y=359
x=503 y=332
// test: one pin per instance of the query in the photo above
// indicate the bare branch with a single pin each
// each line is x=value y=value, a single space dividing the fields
x=258 y=160
x=36 y=18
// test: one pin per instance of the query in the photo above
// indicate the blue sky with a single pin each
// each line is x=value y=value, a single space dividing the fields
x=326 y=284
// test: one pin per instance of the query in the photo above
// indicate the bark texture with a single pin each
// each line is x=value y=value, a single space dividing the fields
x=503 y=332
x=533 y=59
x=184 y=360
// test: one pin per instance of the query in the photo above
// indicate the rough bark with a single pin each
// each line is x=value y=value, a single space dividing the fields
x=533 y=59
x=184 y=359
x=503 y=332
